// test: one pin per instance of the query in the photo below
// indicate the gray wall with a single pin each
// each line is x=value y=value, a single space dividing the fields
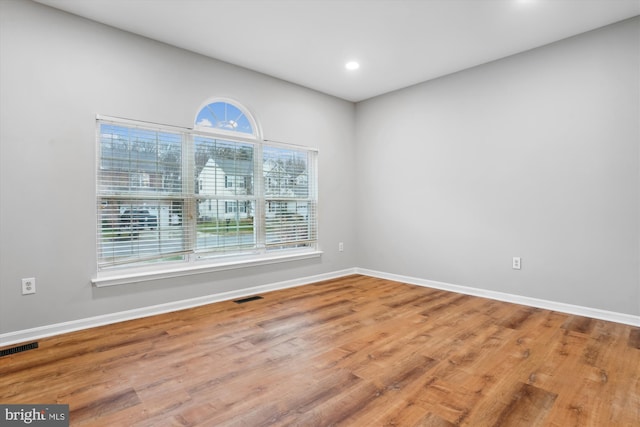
x=57 y=72
x=536 y=155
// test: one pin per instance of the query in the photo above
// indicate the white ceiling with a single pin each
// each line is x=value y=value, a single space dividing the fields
x=397 y=42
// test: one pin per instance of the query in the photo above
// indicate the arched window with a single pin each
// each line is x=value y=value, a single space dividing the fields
x=209 y=197
x=226 y=116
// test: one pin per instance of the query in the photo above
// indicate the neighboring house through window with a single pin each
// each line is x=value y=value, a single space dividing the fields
x=174 y=195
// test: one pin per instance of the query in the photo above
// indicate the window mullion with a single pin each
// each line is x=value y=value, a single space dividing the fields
x=189 y=222
x=258 y=191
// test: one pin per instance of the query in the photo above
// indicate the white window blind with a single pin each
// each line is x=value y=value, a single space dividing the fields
x=226 y=213
x=168 y=194
x=289 y=197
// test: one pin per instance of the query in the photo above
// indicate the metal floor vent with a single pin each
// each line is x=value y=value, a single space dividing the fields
x=18 y=349
x=248 y=299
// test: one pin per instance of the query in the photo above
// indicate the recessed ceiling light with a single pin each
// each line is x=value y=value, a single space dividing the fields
x=352 y=65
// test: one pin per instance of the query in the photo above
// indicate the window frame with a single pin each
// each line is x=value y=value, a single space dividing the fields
x=193 y=262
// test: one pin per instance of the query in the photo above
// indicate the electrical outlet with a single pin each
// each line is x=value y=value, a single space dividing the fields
x=341 y=247
x=29 y=286
x=516 y=263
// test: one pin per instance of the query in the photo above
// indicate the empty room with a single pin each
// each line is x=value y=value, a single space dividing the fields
x=319 y=213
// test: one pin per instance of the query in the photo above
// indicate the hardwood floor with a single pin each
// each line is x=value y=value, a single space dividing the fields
x=355 y=351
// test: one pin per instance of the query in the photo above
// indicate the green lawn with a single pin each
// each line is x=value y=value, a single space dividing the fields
x=242 y=226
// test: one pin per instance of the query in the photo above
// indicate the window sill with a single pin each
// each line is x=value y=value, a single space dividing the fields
x=113 y=278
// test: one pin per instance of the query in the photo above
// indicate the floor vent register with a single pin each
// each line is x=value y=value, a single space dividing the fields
x=18 y=349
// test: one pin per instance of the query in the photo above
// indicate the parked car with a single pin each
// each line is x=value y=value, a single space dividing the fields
x=138 y=219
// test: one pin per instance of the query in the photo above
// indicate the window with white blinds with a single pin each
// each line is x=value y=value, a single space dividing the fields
x=289 y=199
x=174 y=195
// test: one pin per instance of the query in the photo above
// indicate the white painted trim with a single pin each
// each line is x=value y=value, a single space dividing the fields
x=595 y=313
x=121 y=277
x=92 y=322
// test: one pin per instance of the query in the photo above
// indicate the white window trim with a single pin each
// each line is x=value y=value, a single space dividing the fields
x=143 y=274
x=108 y=277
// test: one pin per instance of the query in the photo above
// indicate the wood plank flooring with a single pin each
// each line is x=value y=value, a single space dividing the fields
x=355 y=351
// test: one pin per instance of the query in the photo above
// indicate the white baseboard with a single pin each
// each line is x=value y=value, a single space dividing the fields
x=91 y=322
x=595 y=313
